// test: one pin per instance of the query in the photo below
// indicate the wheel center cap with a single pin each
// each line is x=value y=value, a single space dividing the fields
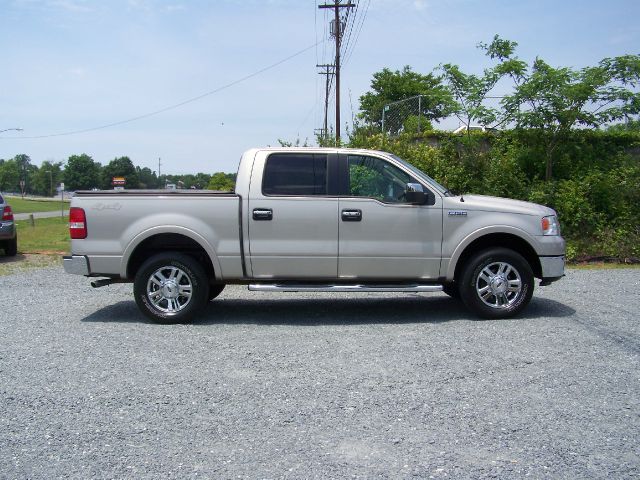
x=170 y=289
x=498 y=284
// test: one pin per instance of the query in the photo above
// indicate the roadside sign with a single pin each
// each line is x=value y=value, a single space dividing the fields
x=118 y=181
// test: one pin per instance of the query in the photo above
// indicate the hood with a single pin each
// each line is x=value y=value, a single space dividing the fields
x=496 y=204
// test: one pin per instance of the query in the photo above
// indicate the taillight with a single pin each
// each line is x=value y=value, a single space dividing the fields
x=77 y=223
x=7 y=214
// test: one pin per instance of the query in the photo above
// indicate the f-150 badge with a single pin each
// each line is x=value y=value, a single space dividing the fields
x=457 y=213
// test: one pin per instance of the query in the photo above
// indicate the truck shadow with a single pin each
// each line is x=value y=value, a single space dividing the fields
x=324 y=311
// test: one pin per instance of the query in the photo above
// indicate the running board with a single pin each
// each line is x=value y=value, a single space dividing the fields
x=263 y=287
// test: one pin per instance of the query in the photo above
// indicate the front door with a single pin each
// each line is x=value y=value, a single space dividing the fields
x=381 y=235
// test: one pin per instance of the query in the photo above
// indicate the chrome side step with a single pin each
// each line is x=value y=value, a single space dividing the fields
x=264 y=287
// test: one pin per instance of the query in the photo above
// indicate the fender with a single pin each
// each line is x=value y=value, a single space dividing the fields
x=139 y=238
x=481 y=232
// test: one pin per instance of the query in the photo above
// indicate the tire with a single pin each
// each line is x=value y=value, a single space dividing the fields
x=171 y=287
x=11 y=247
x=215 y=289
x=496 y=283
x=452 y=290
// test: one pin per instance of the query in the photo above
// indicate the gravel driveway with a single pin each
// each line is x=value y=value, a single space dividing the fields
x=305 y=385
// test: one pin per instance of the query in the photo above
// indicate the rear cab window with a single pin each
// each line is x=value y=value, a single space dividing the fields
x=295 y=174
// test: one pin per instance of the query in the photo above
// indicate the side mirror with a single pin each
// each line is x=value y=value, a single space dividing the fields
x=415 y=195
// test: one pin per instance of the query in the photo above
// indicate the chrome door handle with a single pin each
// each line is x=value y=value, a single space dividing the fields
x=262 y=214
x=351 y=215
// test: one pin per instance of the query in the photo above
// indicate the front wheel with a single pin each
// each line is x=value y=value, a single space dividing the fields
x=171 y=287
x=496 y=283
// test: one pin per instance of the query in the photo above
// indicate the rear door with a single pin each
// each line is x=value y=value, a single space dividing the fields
x=293 y=216
x=381 y=235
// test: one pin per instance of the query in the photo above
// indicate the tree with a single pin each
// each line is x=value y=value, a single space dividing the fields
x=222 y=181
x=555 y=100
x=471 y=91
x=9 y=176
x=628 y=126
x=82 y=173
x=45 y=178
x=120 y=167
x=147 y=178
x=388 y=86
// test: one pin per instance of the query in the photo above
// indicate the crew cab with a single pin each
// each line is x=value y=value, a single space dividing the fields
x=315 y=219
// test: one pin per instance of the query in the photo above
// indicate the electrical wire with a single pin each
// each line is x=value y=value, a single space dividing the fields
x=357 y=36
x=171 y=107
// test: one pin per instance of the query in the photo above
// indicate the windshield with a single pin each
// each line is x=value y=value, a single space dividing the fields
x=420 y=174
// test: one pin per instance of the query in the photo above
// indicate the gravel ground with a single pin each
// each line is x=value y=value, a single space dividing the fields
x=300 y=386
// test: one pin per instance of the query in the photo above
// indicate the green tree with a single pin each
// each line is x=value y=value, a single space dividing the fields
x=388 y=86
x=471 y=91
x=147 y=178
x=222 y=181
x=82 y=173
x=45 y=179
x=629 y=126
x=9 y=176
x=120 y=167
x=555 y=100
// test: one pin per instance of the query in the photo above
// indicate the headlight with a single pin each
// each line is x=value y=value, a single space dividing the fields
x=550 y=225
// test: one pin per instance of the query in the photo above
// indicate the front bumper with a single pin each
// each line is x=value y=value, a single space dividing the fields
x=76 y=265
x=552 y=268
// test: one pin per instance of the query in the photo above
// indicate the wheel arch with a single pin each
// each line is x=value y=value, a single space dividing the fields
x=163 y=239
x=513 y=240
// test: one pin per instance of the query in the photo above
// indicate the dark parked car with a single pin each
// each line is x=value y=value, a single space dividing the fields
x=8 y=235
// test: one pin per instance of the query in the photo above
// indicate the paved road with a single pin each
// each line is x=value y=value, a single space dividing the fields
x=309 y=386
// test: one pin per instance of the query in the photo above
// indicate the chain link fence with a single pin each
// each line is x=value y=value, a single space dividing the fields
x=411 y=115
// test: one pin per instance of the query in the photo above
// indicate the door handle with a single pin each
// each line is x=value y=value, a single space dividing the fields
x=262 y=214
x=351 y=215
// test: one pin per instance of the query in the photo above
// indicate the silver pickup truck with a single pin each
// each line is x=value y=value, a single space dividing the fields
x=314 y=219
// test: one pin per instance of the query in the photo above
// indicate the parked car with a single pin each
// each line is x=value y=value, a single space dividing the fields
x=8 y=235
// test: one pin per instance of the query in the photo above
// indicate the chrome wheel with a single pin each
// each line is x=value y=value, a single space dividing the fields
x=169 y=289
x=499 y=285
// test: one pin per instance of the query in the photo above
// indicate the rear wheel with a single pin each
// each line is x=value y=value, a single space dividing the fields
x=171 y=288
x=11 y=247
x=496 y=283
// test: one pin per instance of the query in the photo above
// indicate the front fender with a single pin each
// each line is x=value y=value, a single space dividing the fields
x=479 y=233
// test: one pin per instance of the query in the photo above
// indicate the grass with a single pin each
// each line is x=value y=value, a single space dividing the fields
x=602 y=266
x=49 y=236
x=23 y=205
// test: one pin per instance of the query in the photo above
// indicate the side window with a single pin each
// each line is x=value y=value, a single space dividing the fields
x=376 y=178
x=295 y=174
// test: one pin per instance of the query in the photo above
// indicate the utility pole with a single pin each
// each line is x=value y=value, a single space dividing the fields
x=326 y=72
x=338 y=35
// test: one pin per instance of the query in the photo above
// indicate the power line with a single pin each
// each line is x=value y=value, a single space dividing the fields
x=357 y=35
x=174 y=106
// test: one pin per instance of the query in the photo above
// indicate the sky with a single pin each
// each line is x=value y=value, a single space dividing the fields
x=249 y=66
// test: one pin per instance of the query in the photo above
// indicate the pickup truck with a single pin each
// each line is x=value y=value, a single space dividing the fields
x=319 y=220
